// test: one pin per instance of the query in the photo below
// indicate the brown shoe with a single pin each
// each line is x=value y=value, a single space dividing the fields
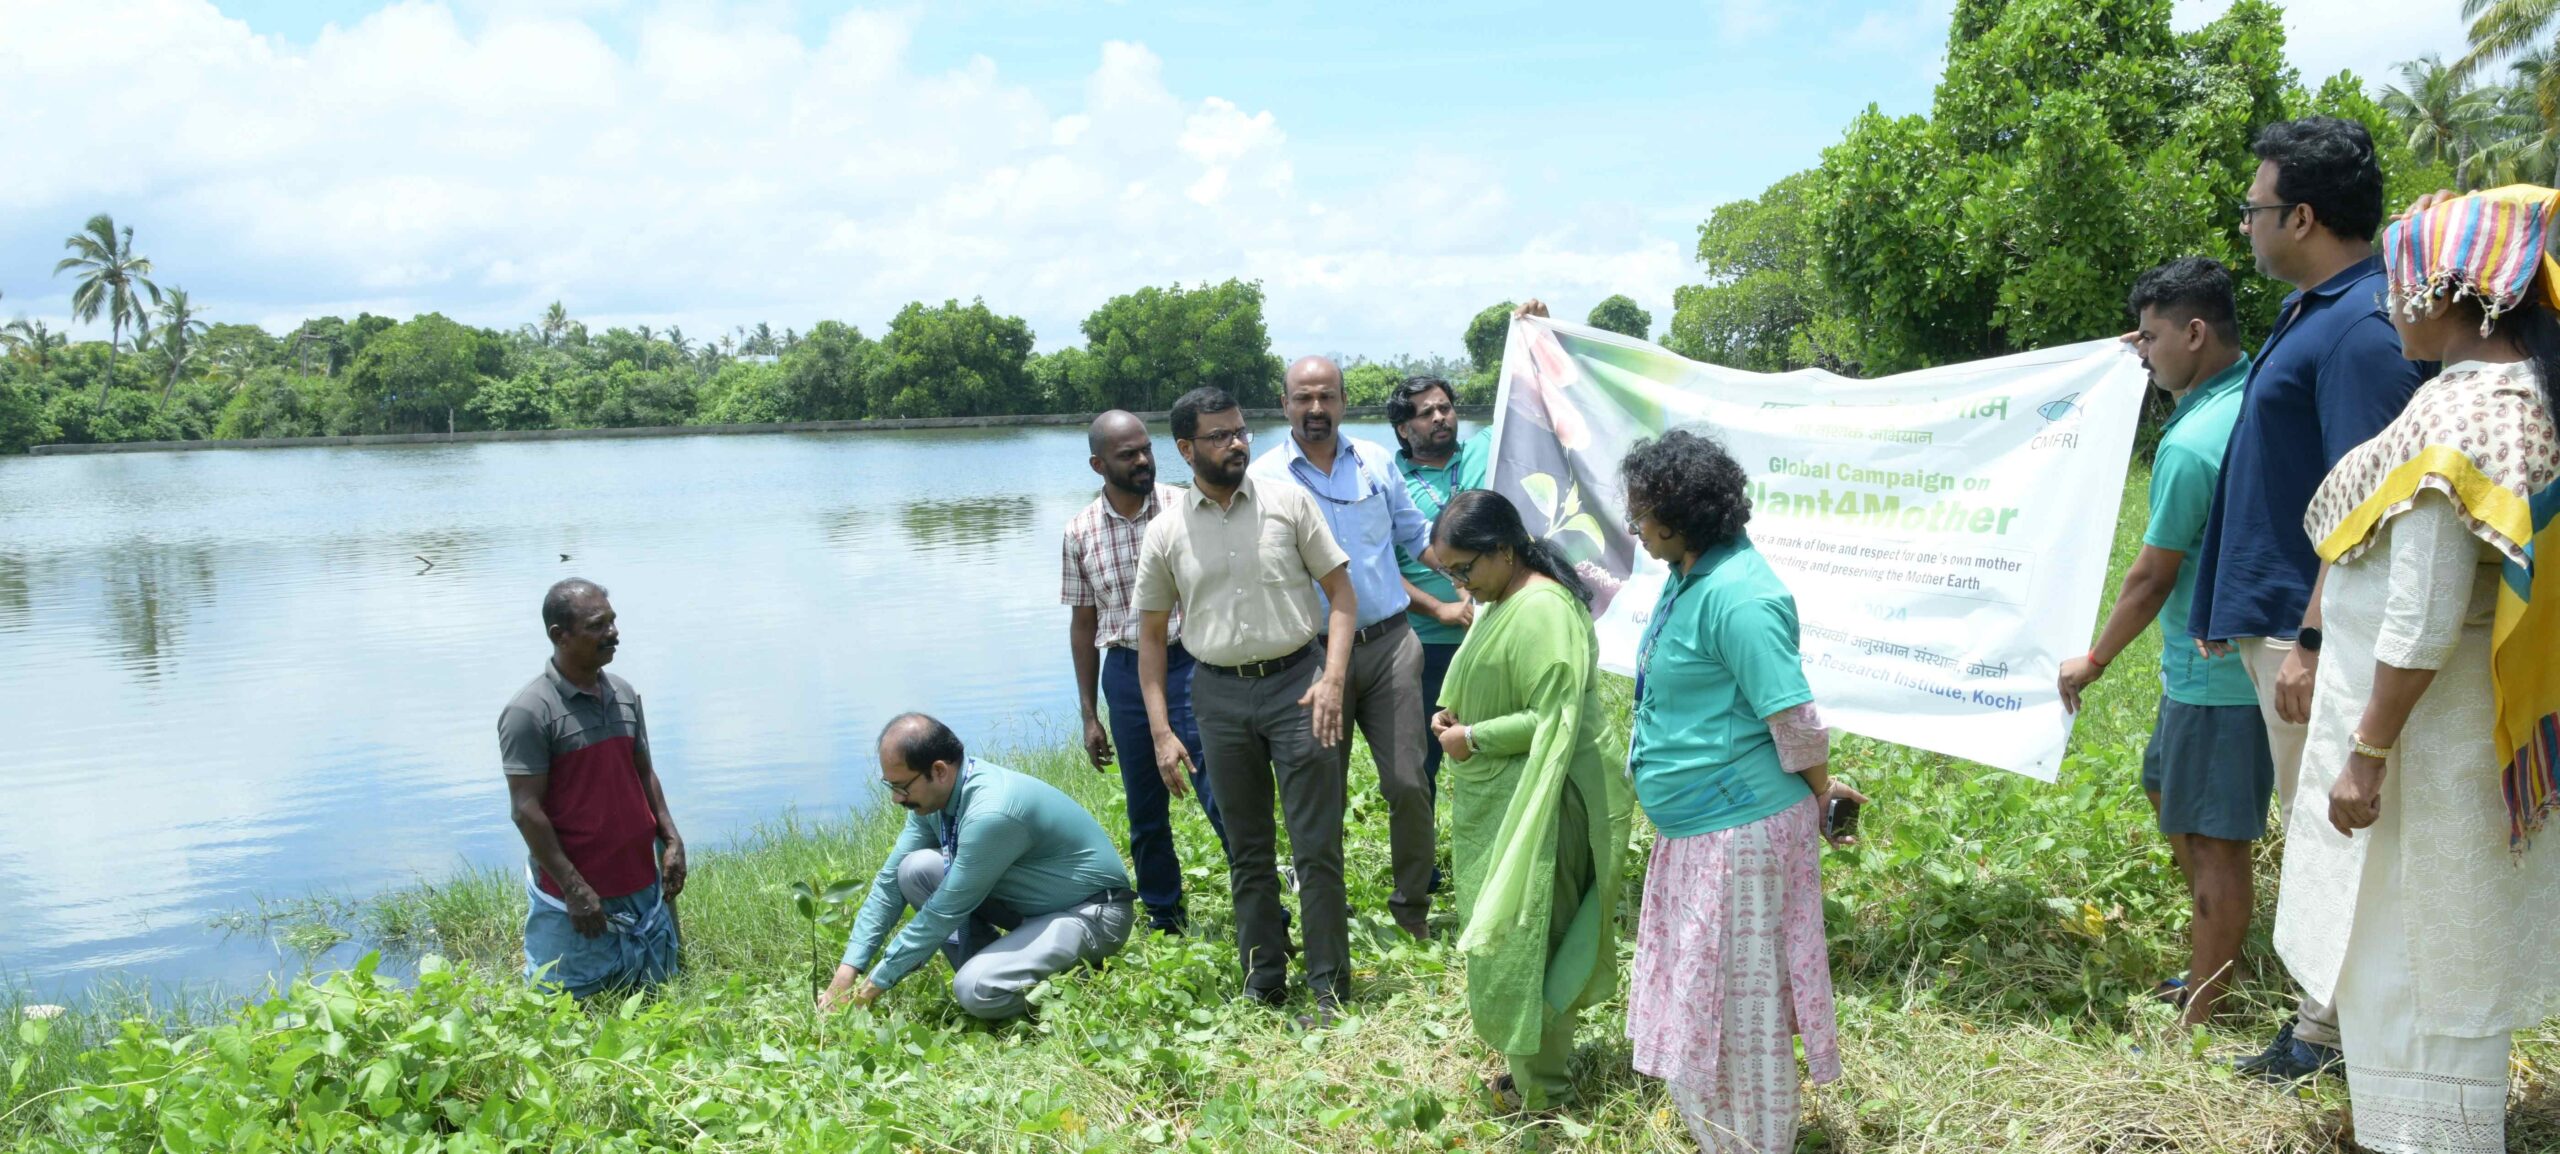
x=1418 y=928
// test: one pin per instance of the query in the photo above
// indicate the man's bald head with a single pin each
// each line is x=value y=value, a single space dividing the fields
x=1311 y=397
x=1313 y=370
x=1113 y=426
x=1122 y=454
x=920 y=760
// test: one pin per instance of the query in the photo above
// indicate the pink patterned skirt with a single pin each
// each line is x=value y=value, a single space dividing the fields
x=1731 y=964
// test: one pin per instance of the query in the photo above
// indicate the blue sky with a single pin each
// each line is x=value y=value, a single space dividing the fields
x=1384 y=169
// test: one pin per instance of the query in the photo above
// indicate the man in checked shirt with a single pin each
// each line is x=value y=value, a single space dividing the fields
x=1099 y=571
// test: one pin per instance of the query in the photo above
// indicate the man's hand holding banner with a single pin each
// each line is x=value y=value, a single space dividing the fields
x=1945 y=532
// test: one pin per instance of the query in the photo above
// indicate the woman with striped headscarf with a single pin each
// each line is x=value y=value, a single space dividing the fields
x=2415 y=890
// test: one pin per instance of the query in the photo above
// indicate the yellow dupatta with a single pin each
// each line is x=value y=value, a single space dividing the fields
x=2483 y=436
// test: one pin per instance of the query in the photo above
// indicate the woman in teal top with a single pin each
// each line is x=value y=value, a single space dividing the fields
x=1731 y=764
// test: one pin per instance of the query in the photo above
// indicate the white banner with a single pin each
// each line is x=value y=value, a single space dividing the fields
x=1945 y=532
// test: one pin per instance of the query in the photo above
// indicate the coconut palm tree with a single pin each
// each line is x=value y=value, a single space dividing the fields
x=648 y=336
x=2517 y=144
x=176 y=338
x=2501 y=29
x=32 y=340
x=2446 y=119
x=676 y=341
x=110 y=275
x=761 y=343
x=555 y=321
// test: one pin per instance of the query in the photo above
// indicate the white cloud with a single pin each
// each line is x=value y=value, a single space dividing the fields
x=715 y=168
x=1899 y=26
x=2372 y=37
x=1746 y=19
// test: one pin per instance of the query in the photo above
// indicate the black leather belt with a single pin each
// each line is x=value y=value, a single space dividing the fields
x=1112 y=897
x=1255 y=669
x=1385 y=625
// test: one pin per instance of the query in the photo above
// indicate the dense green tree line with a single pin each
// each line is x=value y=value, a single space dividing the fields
x=166 y=373
x=2071 y=144
x=185 y=379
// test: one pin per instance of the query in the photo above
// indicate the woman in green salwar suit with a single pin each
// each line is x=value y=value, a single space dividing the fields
x=1539 y=817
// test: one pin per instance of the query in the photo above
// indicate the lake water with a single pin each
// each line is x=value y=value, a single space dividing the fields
x=230 y=677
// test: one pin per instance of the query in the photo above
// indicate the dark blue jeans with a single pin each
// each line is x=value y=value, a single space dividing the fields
x=1435 y=673
x=1150 y=822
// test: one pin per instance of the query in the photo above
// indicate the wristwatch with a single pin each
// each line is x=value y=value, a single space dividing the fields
x=2308 y=640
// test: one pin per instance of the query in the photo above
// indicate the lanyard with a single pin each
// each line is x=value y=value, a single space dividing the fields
x=1363 y=485
x=1429 y=500
x=1676 y=583
x=951 y=818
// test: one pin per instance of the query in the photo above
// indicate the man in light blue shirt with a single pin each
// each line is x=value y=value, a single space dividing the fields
x=1009 y=877
x=1365 y=503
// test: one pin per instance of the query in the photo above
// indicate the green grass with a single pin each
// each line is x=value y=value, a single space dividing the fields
x=1991 y=942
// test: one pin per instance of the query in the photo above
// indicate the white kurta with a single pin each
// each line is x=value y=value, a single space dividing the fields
x=2483 y=941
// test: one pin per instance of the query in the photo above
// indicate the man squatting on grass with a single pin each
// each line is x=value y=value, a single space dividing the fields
x=2207 y=770
x=1009 y=877
x=607 y=862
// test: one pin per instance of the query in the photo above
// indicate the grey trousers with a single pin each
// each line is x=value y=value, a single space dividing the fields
x=991 y=970
x=1262 y=745
x=1384 y=697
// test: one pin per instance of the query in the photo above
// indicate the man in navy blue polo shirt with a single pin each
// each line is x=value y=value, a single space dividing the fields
x=2328 y=378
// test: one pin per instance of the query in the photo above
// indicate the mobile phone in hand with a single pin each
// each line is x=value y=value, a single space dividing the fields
x=1842 y=820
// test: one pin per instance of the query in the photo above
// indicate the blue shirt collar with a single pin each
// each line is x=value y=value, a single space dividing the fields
x=1345 y=449
x=2346 y=277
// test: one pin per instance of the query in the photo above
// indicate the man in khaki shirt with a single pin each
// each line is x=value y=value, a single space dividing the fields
x=1243 y=561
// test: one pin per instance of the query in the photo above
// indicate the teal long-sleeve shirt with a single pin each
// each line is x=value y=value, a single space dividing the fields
x=1020 y=841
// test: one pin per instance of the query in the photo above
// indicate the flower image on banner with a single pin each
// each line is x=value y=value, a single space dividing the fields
x=1945 y=532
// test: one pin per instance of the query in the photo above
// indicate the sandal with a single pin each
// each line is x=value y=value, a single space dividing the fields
x=2172 y=991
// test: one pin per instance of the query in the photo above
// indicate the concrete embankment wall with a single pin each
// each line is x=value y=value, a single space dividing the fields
x=1035 y=420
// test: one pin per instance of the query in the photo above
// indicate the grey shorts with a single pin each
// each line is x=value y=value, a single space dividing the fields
x=2210 y=766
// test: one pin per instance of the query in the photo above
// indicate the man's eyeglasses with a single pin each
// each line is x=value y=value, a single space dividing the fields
x=900 y=788
x=1635 y=520
x=1221 y=438
x=2247 y=210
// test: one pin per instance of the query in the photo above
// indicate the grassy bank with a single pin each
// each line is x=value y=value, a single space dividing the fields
x=1991 y=941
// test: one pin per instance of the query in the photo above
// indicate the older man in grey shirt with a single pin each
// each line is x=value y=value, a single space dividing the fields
x=1362 y=495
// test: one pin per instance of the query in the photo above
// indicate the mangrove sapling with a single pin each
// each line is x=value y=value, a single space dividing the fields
x=828 y=908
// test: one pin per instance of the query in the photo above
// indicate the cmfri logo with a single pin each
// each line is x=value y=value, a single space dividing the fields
x=2062 y=424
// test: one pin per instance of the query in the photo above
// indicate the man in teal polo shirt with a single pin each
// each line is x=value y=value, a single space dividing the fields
x=1423 y=411
x=1009 y=878
x=2207 y=770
